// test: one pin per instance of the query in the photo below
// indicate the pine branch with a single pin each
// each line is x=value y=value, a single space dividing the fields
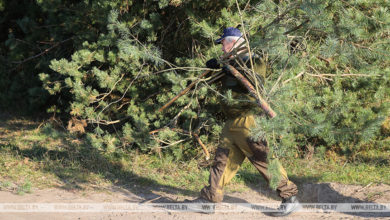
x=297 y=27
x=297 y=76
x=184 y=91
x=108 y=93
x=43 y=52
x=281 y=16
x=260 y=101
x=205 y=151
x=256 y=83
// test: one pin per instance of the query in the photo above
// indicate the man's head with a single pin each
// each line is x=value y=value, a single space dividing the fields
x=231 y=38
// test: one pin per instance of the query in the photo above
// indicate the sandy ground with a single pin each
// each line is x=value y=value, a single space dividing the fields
x=309 y=193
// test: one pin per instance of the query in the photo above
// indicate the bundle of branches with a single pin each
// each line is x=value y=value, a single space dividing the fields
x=327 y=80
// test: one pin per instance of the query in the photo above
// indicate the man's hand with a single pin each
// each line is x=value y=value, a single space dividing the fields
x=213 y=64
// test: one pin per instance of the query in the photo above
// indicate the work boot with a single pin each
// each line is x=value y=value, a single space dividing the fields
x=200 y=205
x=288 y=206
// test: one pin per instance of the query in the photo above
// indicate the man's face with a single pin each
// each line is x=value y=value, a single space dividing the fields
x=227 y=46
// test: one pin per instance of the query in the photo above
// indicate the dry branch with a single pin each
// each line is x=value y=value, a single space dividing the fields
x=205 y=151
x=184 y=91
x=196 y=136
x=43 y=52
x=252 y=91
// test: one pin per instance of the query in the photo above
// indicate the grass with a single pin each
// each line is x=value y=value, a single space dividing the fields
x=24 y=188
x=333 y=171
x=34 y=156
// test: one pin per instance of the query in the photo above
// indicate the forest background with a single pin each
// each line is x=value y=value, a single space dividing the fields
x=98 y=71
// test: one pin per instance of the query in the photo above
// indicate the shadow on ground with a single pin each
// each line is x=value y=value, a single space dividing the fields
x=72 y=162
x=90 y=159
x=310 y=192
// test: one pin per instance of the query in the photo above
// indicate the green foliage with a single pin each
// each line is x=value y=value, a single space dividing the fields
x=117 y=63
x=113 y=84
x=34 y=33
x=274 y=167
x=328 y=93
x=24 y=188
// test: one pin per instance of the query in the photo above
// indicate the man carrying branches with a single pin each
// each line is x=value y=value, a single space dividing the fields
x=236 y=143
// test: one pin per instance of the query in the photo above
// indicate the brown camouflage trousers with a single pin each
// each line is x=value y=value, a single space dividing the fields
x=235 y=147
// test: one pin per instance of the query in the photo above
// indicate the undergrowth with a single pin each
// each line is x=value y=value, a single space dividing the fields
x=34 y=156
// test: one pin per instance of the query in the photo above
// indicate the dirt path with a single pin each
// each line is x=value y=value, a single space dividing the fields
x=310 y=193
x=257 y=194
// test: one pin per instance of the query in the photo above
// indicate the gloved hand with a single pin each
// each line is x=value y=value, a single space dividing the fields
x=213 y=64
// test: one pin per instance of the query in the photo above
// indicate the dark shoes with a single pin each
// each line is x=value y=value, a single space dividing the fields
x=197 y=200
x=288 y=206
x=200 y=205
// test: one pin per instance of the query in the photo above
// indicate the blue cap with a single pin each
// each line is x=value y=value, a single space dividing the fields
x=229 y=32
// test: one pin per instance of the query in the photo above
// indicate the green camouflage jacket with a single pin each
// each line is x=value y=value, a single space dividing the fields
x=242 y=104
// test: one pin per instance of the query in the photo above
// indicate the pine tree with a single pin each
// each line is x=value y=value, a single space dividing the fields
x=328 y=71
